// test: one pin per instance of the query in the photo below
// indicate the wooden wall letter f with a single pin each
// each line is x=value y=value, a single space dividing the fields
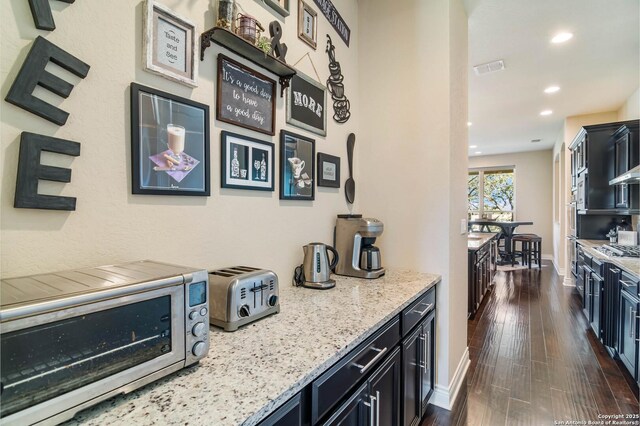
x=42 y=16
x=30 y=171
x=33 y=73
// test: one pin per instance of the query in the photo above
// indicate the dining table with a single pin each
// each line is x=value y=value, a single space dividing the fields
x=508 y=229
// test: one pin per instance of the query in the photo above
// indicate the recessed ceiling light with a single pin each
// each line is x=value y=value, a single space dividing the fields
x=551 y=89
x=473 y=146
x=469 y=123
x=561 y=38
x=546 y=112
x=478 y=152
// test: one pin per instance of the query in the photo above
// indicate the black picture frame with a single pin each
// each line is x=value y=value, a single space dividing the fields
x=303 y=149
x=231 y=94
x=307 y=104
x=159 y=121
x=247 y=153
x=328 y=170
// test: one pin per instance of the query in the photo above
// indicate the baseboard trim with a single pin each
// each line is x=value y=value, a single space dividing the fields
x=445 y=397
x=559 y=271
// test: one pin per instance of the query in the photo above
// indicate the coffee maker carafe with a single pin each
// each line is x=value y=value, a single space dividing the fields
x=354 y=238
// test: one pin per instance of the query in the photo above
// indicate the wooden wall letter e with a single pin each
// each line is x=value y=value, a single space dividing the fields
x=33 y=73
x=30 y=171
x=42 y=16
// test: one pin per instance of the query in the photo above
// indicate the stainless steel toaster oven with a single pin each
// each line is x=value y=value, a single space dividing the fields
x=71 y=339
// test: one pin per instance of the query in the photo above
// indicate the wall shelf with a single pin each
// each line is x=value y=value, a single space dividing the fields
x=243 y=48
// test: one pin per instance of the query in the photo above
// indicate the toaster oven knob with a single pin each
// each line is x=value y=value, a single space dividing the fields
x=244 y=311
x=273 y=299
x=198 y=329
x=193 y=315
x=198 y=349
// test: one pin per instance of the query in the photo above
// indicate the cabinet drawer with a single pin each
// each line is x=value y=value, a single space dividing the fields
x=629 y=283
x=333 y=385
x=418 y=310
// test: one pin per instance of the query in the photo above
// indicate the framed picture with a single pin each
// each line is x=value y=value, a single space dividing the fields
x=328 y=170
x=245 y=98
x=297 y=168
x=247 y=163
x=307 y=104
x=169 y=144
x=170 y=44
x=307 y=24
x=279 y=6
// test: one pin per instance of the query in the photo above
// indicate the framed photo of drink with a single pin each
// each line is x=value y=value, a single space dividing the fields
x=297 y=167
x=169 y=144
x=247 y=163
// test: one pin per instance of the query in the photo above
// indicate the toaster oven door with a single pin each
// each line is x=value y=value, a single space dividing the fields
x=54 y=362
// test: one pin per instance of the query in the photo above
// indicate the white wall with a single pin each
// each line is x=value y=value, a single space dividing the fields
x=630 y=110
x=415 y=151
x=111 y=225
x=533 y=190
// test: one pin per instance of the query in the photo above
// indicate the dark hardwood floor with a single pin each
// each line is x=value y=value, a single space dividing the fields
x=534 y=359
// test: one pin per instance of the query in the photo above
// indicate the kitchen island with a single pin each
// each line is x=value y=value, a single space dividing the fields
x=251 y=372
x=631 y=265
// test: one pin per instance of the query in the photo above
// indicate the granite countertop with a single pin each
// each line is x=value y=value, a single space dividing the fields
x=249 y=373
x=475 y=240
x=629 y=264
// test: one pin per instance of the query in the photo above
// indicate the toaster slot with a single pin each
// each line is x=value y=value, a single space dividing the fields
x=222 y=274
x=245 y=268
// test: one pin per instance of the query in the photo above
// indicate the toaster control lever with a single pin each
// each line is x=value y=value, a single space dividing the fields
x=244 y=311
x=259 y=288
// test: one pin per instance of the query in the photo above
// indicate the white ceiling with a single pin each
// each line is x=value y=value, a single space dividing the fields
x=597 y=70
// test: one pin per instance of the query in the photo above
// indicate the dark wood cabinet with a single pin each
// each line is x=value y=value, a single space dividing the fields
x=356 y=411
x=290 y=414
x=629 y=336
x=598 y=152
x=384 y=386
x=418 y=370
x=412 y=378
x=480 y=277
x=597 y=288
x=376 y=402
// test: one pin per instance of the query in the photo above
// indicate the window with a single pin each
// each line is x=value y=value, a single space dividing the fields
x=491 y=194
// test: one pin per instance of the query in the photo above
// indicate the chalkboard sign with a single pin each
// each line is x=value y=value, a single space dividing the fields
x=245 y=97
x=306 y=104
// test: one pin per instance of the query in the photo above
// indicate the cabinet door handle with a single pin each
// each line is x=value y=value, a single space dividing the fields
x=364 y=368
x=615 y=270
x=371 y=404
x=427 y=352
x=427 y=309
x=421 y=361
x=377 y=408
x=632 y=320
x=626 y=284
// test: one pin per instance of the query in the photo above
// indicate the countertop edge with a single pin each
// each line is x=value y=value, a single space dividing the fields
x=490 y=236
x=270 y=407
x=589 y=246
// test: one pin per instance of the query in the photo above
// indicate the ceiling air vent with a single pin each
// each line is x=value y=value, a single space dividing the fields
x=489 y=67
x=536 y=140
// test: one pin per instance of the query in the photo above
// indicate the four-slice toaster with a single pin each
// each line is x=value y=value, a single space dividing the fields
x=240 y=295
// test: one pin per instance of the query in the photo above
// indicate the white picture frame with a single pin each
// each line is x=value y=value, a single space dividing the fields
x=170 y=44
x=307 y=24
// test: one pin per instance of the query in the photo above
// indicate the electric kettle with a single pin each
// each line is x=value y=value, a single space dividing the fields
x=316 y=267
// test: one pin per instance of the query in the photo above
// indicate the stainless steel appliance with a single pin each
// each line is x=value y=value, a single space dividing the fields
x=354 y=238
x=316 y=267
x=72 y=339
x=617 y=250
x=241 y=295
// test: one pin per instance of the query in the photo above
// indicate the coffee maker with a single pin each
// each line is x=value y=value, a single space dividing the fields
x=354 y=238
